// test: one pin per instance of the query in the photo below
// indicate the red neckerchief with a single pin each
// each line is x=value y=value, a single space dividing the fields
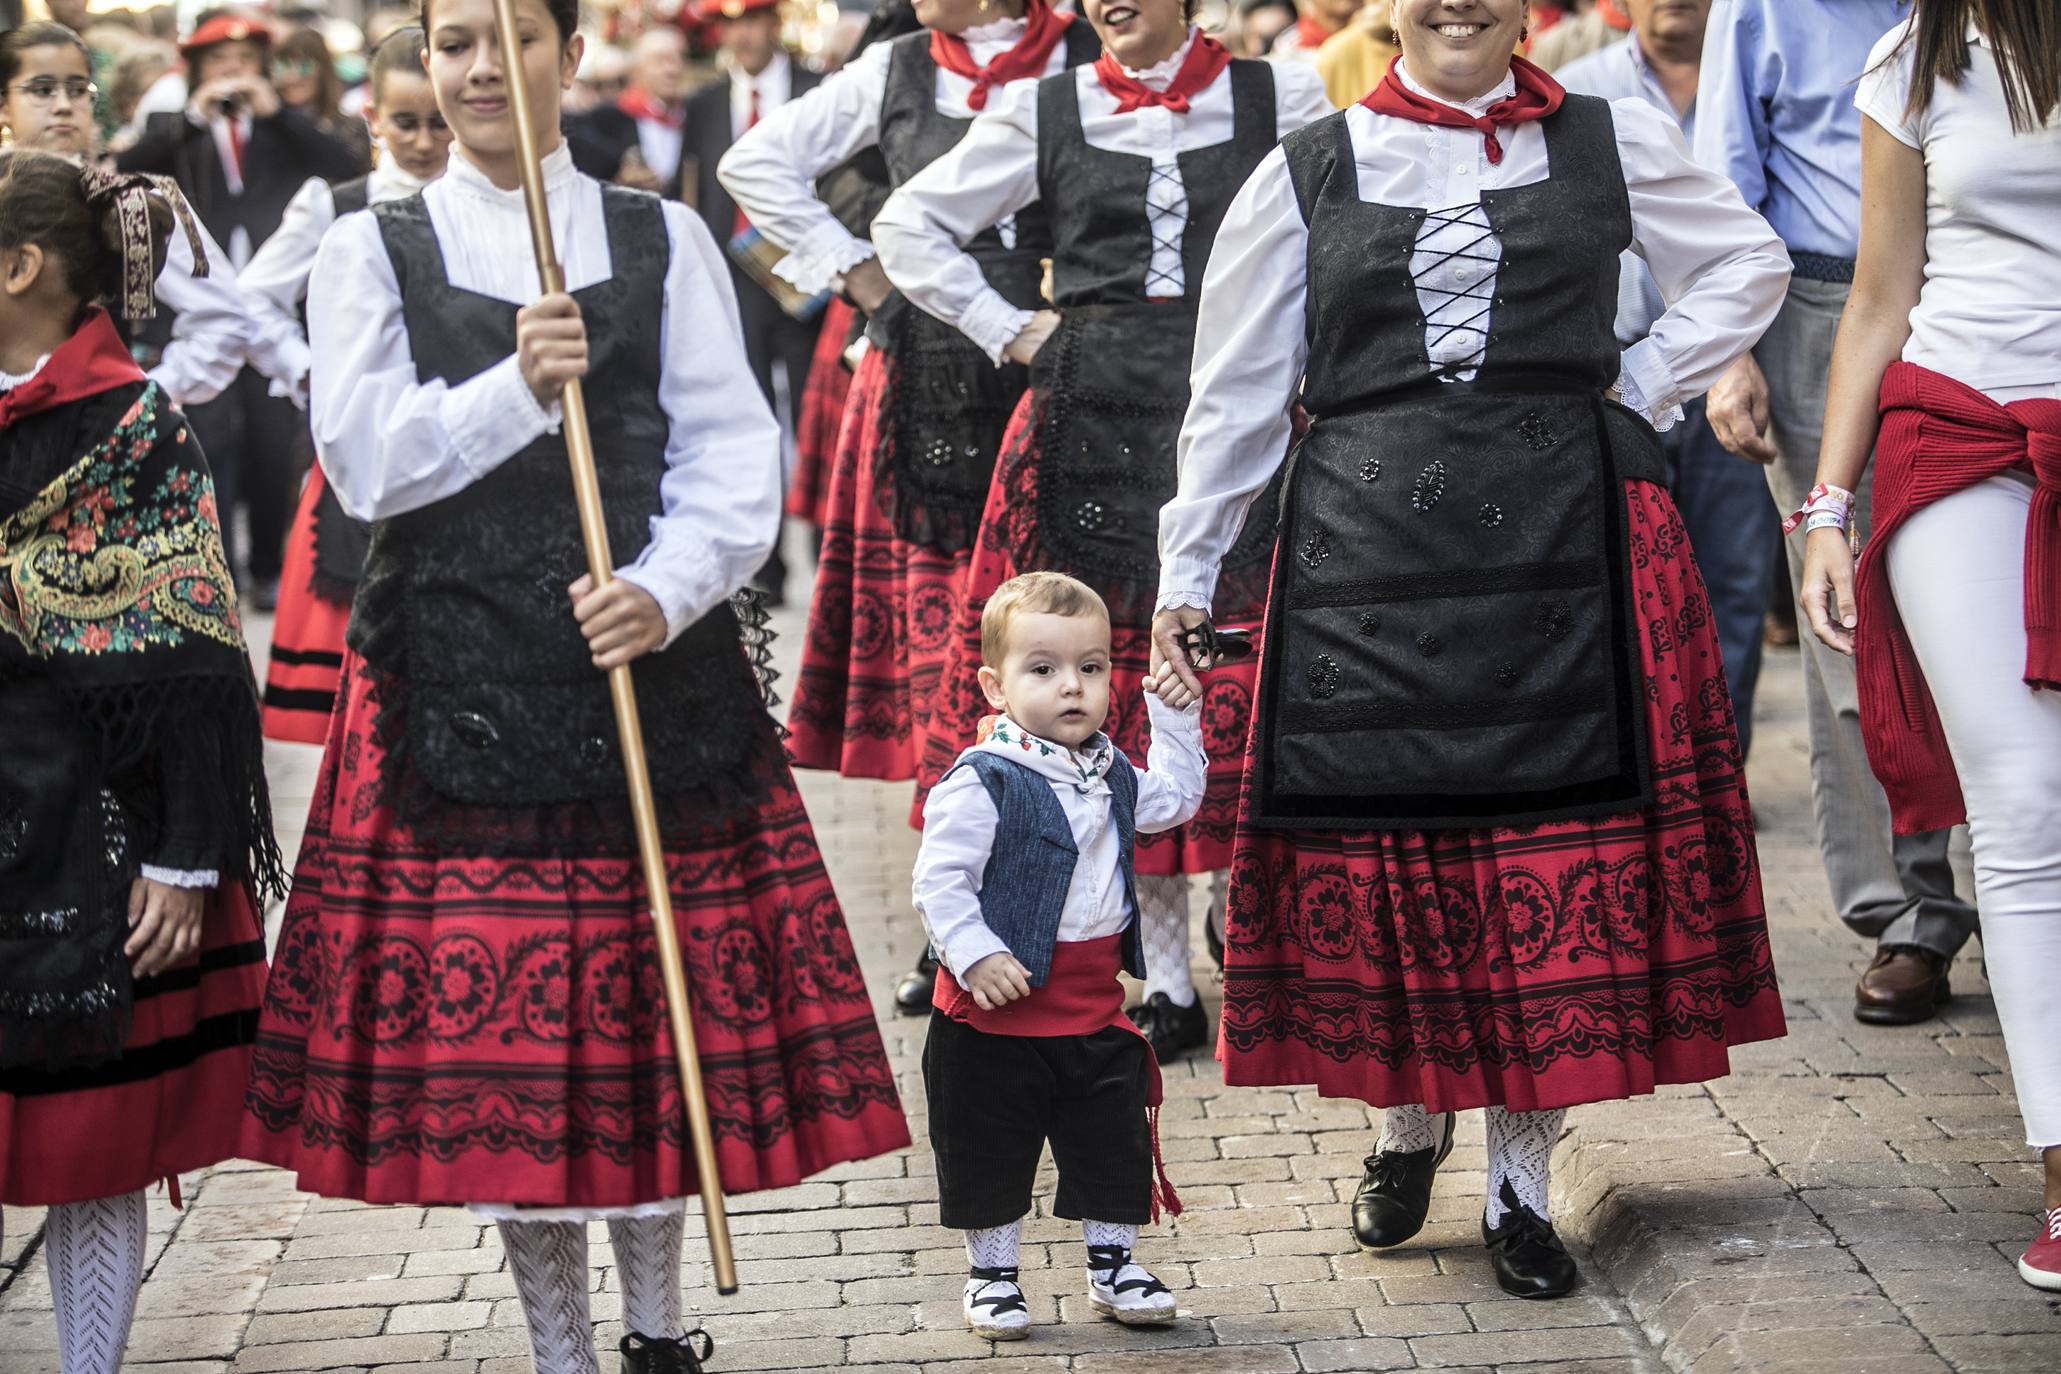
x=1537 y=96
x=638 y=104
x=1041 y=33
x=1205 y=60
x=94 y=359
x=1310 y=33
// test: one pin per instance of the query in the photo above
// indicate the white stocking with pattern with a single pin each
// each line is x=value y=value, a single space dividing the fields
x=1163 y=925
x=1407 y=1129
x=549 y=1261
x=1520 y=1149
x=647 y=1261
x=995 y=1247
x=95 y=1252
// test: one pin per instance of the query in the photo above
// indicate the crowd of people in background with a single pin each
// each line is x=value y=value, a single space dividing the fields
x=1736 y=141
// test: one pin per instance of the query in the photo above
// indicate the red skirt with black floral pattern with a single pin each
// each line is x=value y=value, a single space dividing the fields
x=880 y=618
x=1534 y=967
x=1203 y=845
x=442 y=1028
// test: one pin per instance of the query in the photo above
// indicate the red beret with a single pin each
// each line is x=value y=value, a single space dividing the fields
x=225 y=28
x=712 y=10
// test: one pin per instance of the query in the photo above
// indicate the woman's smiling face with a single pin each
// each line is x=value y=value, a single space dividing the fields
x=1458 y=49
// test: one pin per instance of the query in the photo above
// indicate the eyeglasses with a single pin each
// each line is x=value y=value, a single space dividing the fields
x=409 y=124
x=286 y=69
x=44 y=89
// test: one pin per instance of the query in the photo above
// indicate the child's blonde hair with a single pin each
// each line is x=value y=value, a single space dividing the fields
x=1032 y=593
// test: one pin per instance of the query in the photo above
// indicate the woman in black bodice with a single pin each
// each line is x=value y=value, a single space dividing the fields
x=1494 y=849
x=1132 y=161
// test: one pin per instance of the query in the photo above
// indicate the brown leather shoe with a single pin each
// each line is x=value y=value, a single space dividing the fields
x=1905 y=985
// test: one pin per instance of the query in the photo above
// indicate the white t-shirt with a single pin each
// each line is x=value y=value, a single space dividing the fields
x=1989 y=314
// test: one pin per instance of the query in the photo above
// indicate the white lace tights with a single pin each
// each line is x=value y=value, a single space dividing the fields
x=1163 y=923
x=549 y=1260
x=1520 y=1149
x=95 y=1253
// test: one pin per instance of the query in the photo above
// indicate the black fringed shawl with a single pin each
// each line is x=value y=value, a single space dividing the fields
x=128 y=713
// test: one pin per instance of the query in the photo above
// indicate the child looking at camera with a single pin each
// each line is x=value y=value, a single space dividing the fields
x=1026 y=886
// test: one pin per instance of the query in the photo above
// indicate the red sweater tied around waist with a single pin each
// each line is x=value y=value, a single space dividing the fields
x=1939 y=437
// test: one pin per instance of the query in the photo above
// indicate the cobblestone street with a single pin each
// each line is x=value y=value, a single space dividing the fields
x=1849 y=1201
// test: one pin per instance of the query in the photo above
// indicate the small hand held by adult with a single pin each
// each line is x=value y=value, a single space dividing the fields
x=550 y=345
x=164 y=926
x=997 y=980
x=1024 y=347
x=1738 y=410
x=622 y=622
x=1170 y=662
x=867 y=284
x=1827 y=596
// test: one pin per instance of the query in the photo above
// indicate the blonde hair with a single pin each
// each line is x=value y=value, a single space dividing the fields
x=1033 y=593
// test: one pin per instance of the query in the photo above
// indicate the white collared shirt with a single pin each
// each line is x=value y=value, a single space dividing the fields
x=392 y=443
x=774 y=86
x=960 y=824
x=993 y=173
x=1720 y=267
x=1989 y=313
x=771 y=171
x=275 y=280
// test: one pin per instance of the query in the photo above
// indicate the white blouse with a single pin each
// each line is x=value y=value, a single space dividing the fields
x=275 y=280
x=960 y=827
x=211 y=333
x=1989 y=313
x=771 y=171
x=1718 y=264
x=993 y=173
x=390 y=443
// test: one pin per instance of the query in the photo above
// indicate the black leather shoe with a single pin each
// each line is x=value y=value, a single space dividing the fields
x=1395 y=1192
x=913 y=993
x=1171 y=1029
x=1529 y=1260
x=655 y=1355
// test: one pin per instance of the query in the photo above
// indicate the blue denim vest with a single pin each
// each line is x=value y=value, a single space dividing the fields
x=1023 y=891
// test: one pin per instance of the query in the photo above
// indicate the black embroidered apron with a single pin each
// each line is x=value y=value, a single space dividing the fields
x=1113 y=379
x=464 y=601
x=1450 y=641
x=943 y=419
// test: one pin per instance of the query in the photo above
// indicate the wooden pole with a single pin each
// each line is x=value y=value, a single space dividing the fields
x=579 y=446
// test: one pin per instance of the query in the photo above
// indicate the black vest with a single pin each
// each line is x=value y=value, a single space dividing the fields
x=464 y=601
x=1113 y=380
x=341 y=543
x=1451 y=641
x=943 y=418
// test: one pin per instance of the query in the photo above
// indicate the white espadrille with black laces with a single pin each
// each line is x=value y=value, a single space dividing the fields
x=1120 y=1287
x=994 y=1305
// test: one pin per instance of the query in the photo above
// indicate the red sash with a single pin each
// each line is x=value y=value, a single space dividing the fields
x=1081 y=996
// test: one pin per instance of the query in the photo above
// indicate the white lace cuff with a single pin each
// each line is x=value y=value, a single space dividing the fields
x=1646 y=385
x=1186 y=582
x=823 y=254
x=182 y=877
x=991 y=322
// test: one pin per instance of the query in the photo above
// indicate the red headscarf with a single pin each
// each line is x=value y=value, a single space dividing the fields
x=94 y=359
x=1042 y=32
x=1206 y=58
x=1537 y=96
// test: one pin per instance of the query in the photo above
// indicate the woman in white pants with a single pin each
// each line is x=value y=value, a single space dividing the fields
x=1949 y=367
